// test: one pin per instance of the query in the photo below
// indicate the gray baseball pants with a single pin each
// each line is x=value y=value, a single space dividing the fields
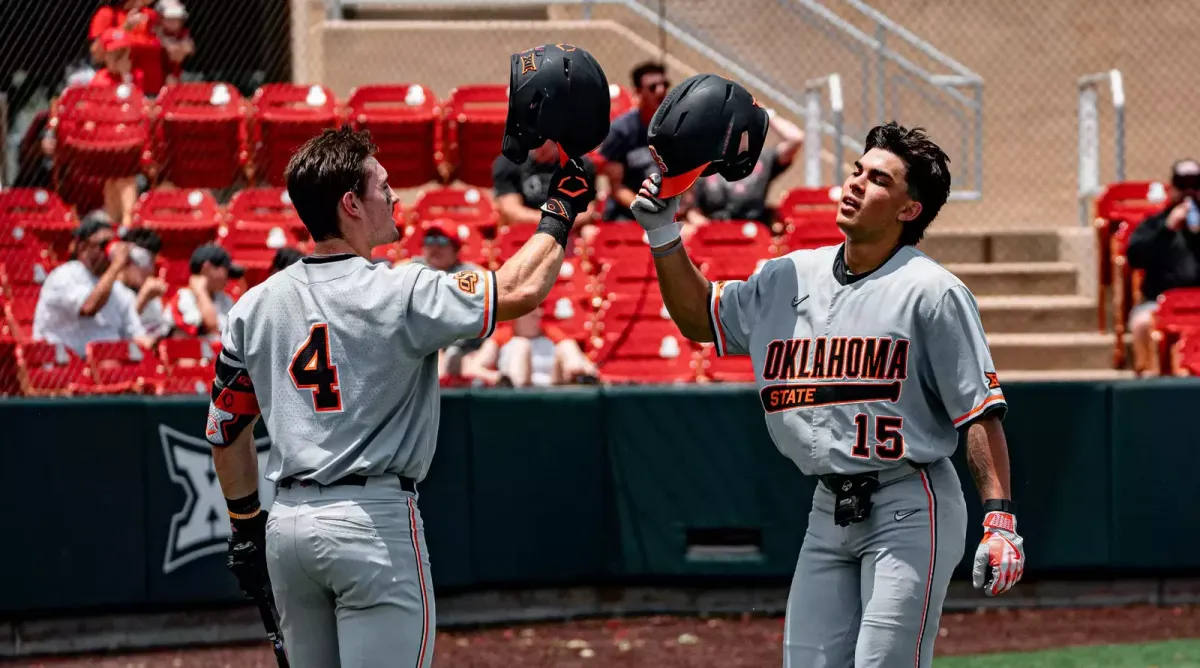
x=870 y=595
x=350 y=573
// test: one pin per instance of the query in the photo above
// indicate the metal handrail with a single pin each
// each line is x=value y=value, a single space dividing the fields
x=812 y=128
x=1089 y=135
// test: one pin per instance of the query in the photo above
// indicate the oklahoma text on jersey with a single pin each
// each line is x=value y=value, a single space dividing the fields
x=832 y=359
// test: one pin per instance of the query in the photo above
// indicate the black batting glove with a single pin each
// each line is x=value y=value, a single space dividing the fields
x=571 y=190
x=247 y=555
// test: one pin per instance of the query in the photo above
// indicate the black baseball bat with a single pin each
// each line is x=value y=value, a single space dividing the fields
x=267 y=611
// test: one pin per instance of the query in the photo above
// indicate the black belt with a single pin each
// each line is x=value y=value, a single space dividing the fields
x=836 y=482
x=406 y=484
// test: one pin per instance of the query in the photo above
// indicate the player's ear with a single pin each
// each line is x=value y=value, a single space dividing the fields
x=910 y=211
x=350 y=203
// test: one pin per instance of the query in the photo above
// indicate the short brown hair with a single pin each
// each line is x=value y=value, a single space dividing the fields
x=325 y=168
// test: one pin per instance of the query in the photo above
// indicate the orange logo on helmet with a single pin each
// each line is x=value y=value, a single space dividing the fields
x=662 y=166
x=565 y=47
x=562 y=187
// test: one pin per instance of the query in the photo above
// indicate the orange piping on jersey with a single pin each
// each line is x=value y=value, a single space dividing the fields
x=487 y=303
x=717 y=290
x=978 y=409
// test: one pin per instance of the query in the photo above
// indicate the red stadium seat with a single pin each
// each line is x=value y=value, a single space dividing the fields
x=728 y=369
x=798 y=200
x=509 y=240
x=643 y=351
x=620 y=100
x=1126 y=287
x=19 y=308
x=121 y=366
x=1186 y=355
x=254 y=245
x=284 y=117
x=402 y=119
x=473 y=121
x=472 y=206
x=733 y=249
x=47 y=369
x=17 y=237
x=10 y=385
x=189 y=352
x=24 y=269
x=1122 y=202
x=33 y=204
x=1178 y=313
x=184 y=219
x=812 y=229
x=101 y=133
x=200 y=135
x=266 y=205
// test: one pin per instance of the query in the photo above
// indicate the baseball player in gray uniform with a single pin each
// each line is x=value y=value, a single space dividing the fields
x=871 y=362
x=338 y=356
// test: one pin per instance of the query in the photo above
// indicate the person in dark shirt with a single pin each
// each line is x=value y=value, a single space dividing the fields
x=1166 y=247
x=626 y=150
x=714 y=198
x=521 y=190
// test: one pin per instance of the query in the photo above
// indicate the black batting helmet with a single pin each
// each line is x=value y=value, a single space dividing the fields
x=556 y=92
x=707 y=125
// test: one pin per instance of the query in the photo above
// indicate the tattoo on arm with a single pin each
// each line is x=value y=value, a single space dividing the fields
x=981 y=462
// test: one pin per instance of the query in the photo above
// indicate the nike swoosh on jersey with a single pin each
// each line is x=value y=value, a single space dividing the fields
x=799 y=300
x=900 y=516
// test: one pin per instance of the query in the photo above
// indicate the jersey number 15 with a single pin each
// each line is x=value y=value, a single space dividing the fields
x=312 y=369
x=889 y=443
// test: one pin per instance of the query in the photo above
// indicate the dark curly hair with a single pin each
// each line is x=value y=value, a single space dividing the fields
x=927 y=172
x=325 y=168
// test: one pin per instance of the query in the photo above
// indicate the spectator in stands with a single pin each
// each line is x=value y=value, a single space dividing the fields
x=82 y=300
x=439 y=250
x=176 y=39
x=139 y=276
x=626 y=150
x=714 y=198
x=140 y=24
x=1166 y=247
x=118 y=61
x=202 y=308
x=527 y=352
x=520 y=190
x=284 y=257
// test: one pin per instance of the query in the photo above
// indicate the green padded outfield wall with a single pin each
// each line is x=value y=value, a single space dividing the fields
x=112 y=502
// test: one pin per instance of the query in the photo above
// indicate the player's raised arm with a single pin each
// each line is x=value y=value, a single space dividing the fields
x=559 y=93
x=524 y=281
x=706 y=125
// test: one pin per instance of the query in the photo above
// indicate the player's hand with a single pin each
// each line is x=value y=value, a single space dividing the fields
x=572 y=189
x=656 y=216
x=247 y=557
x=1000 y=557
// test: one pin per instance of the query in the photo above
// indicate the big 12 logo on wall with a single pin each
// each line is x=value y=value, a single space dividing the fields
x=201 y=527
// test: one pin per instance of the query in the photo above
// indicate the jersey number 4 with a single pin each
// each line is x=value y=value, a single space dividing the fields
x=889 y=443
x=312 y=370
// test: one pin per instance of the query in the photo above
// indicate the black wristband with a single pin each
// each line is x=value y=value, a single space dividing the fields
x=244 y=508
x=1000 y=505
x=555 y=227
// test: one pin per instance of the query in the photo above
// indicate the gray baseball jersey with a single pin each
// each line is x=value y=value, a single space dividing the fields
x=342 y=354
x=857 y=373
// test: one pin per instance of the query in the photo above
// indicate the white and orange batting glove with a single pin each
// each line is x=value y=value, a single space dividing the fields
x=1000 y=557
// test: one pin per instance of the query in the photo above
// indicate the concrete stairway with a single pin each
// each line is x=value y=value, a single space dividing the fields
x=1039 y=322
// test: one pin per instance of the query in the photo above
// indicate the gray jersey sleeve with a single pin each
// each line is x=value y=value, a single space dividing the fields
x=733 y=307
x=444 y=308
x=963 y=372
x=233 y=350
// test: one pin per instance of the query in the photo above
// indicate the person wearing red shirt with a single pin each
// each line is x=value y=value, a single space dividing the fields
x=140 y=24
x=528 y=352
x=118 y=62
x=176 y=39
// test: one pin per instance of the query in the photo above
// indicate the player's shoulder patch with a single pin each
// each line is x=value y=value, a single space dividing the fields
x=993 y=380
x=467 y=281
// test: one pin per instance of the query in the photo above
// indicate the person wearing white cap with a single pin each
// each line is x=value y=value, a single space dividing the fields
x=175 y=38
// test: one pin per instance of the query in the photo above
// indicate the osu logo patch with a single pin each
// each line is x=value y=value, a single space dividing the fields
x=467 y=281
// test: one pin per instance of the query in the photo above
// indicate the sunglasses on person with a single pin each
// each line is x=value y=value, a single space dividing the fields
x=664 y=84
x=437 y=240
